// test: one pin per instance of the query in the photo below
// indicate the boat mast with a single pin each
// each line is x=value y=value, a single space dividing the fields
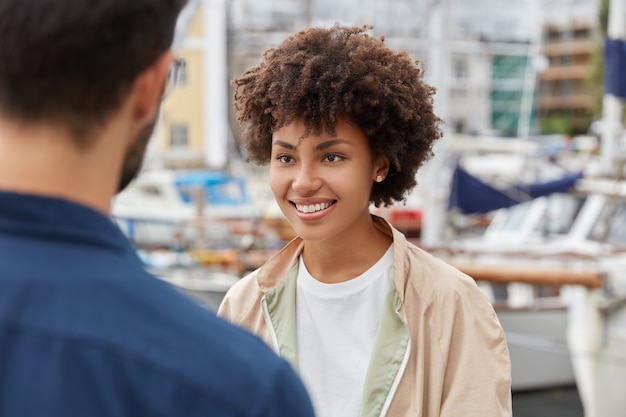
x=433 y=223
x=612 y=105
x=215 y=85
x=535 y=63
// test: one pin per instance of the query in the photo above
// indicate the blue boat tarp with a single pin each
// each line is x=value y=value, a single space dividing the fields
x=473 y=196
x=219 y=188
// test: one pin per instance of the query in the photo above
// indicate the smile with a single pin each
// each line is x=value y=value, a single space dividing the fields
x=312 y=208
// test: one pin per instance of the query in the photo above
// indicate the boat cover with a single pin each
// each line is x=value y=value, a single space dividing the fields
x=471 y=195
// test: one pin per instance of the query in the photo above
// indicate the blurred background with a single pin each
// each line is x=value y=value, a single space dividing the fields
x=501 y=68
x=525 y=193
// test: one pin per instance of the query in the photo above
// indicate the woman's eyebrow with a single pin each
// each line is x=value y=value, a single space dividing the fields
x=319 y=147
x=283 y=144
x=328 y=144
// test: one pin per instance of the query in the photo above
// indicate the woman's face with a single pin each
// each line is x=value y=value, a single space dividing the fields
x=322 y=183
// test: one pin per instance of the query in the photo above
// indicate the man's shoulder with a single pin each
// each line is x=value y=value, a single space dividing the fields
x=147 y=337
x=216 y=361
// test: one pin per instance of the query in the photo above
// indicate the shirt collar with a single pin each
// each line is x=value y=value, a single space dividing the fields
x=56 y=218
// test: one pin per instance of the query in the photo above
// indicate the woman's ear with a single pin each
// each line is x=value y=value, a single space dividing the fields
x=381 y=168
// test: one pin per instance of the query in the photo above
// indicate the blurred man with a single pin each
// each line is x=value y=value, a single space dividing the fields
x=84 y=330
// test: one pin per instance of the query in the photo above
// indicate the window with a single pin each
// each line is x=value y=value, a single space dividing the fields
x=182 y=74
x=150 y=190
x=460 y=67
x=178 y=136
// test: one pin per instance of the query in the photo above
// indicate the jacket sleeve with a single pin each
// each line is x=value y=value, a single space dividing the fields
x=225 y=308
x=242 y=306
x=477 y=380
x=240 y=300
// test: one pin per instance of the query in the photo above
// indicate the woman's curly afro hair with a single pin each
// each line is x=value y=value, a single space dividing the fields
x=320 y=74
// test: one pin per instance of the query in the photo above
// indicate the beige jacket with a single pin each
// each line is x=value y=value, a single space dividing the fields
x=440 y=350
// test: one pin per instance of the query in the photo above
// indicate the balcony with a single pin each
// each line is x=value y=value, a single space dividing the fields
x=573 y=72
x=580 y=101
x=568 y=47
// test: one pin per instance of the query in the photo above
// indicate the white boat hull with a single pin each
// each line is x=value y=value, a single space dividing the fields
x=538 y=347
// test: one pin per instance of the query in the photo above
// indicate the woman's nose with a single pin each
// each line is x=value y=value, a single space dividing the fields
x=306 y=180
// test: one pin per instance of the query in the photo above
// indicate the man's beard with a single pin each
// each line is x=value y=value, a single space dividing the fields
x=135 y=153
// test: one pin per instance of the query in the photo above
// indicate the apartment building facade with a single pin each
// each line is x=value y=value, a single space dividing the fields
x=565 y=100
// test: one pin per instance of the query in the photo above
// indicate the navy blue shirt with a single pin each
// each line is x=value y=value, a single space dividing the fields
x=85 y=331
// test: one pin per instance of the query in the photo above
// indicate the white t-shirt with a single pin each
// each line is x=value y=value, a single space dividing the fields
x=336 y=326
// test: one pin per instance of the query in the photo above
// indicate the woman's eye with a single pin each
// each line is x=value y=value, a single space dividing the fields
x=284 y=159
x=333 y=157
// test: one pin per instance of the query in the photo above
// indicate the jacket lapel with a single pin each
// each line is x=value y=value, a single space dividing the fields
x=388 y=359
x=281 y=308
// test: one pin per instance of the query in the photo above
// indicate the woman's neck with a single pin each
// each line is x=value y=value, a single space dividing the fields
x=345 y=257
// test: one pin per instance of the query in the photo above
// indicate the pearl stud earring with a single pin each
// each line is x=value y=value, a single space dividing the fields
x=379 y=178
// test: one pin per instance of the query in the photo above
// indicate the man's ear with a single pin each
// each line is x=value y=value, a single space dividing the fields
x=148 y=88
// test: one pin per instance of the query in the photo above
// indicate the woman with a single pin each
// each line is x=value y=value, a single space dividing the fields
x=374 y=325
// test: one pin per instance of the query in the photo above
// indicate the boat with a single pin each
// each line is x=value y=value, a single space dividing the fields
x=559 y=291
x=200 y=230
x=204 y=284
x=179 y=209
x=207 y=287
x=529 y=293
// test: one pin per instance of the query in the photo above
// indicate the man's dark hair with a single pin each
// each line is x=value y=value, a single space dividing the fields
x=73 y=61
x=320 y=74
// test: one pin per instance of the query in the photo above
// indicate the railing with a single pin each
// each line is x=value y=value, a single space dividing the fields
x=532 y=275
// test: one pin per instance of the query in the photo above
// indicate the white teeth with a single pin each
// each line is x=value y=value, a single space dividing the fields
x=312 y=208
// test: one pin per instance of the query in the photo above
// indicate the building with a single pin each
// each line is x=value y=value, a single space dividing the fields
x=565 y=100
x=179 y=139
